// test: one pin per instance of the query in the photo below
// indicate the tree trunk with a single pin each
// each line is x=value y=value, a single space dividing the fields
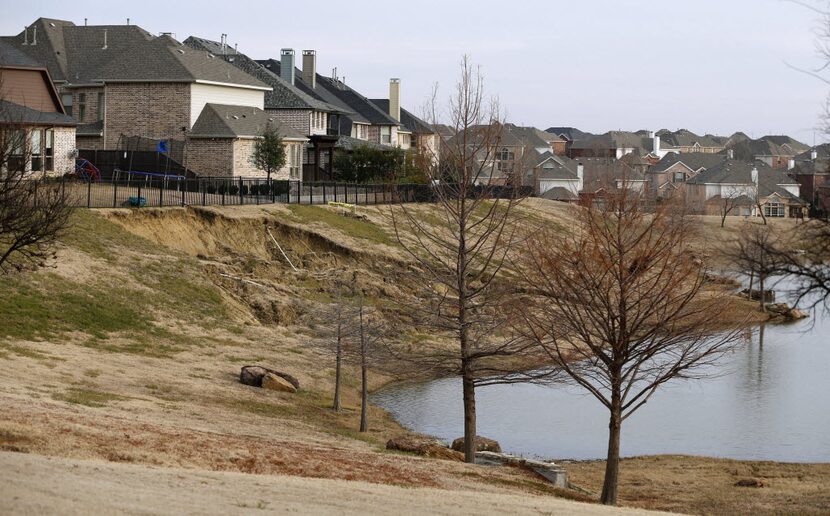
x=336 y=406
x=761 y=292
x=364 y=387
x=612 y=461
x=469 y=416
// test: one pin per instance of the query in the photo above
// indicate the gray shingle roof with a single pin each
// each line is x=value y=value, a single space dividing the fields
x=17 y=114
x=552 y=166
x=686 y=138
x=570 y=133
x=737 y=172
x=617 y=140
x=409 y=121
x=283 y=94
x=766 y=146
x=559 y=193
x=348 y=143
x=693 y=160
x=224 y=121
x=12 y=57
x=78 y=55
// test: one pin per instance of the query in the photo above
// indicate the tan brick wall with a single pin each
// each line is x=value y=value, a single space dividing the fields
x=91 y=109
x=297 y=119
x=89 y=142
x=64 y=150
x=151 y=110
x=210 y=157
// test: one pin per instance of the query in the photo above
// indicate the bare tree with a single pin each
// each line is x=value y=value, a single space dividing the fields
x=616 y=306
x=33 y=211
x=756 y=253
x=459 y=258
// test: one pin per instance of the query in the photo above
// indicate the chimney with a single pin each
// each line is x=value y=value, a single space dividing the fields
x=790 y=164
x=128 y=21
x=310 y=68
x=287 y=64
x=395 y=99
x=730 y=154
x=25 y=35
x=656 y=144
x=223 y=39
x=105 y=40
x=754 y=175
x=580 y=174
x=84 y=22
x=34 y=35
x=813 y=154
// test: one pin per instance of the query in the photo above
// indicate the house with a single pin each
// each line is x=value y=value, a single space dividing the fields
x=685 y=141
x=557 y=177
x=775 y=151
x=33 y=120
x=503 y=158
x=125 y=84
x=287 y=103
x=672 y=172
x=224 y=136
x=749 y=186
x=568 y=135
x=423 y=137
x=616 y=144
x=366 y=121
x=811 y=170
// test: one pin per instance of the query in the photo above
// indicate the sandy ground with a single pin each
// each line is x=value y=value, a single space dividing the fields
x=31 y=484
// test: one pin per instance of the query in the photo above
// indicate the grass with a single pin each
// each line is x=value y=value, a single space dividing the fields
x=350 y=226
x=88 y=398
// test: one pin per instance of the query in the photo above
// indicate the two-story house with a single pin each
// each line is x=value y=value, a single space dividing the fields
x=33 y=122
x=685 y=141
x=154 y=88
x=671 y=173
x=811 y=170
x=775 y=151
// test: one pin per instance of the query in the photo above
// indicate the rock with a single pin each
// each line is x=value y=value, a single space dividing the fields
x=273 y=382
x=423 y=447
x=253 y=375
x=750 y=482
x=784 y=310
x=482 y=444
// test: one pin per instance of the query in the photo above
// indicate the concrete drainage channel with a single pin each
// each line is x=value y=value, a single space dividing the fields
x=554 y=473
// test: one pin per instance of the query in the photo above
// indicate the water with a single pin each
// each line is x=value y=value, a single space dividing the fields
x=772 y=402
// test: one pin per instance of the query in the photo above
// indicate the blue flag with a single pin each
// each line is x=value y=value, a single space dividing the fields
x=161 y=146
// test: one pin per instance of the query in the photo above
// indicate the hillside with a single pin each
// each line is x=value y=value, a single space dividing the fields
x=127 y=347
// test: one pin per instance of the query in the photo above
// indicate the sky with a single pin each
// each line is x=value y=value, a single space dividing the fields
x=710 y=66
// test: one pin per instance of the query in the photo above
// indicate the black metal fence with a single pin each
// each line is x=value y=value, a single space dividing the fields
x=159 y=191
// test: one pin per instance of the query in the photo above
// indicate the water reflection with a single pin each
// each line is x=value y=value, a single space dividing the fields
x=771 y=400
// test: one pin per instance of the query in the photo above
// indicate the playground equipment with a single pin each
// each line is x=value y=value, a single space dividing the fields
x=86 y=171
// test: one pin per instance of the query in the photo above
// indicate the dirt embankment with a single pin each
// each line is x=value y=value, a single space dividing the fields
x=129 y=349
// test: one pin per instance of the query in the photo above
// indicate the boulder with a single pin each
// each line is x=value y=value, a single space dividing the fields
x=423 y=447
x=784 y=310
x=253 y=375
x=750 y=482
x=273 y=382
x=482 y=444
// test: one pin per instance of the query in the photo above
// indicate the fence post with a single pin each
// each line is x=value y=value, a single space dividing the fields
x=335 y=192
x=311 y=194
x=204 y=192
x=89 y=194
x=139 y=194
x=161 y=193
x=241 y=197
x=324 y=193
x=256 y=192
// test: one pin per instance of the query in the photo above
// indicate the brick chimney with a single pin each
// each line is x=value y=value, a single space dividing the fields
x=287 y=65
x=395 y=99
x=310 y=68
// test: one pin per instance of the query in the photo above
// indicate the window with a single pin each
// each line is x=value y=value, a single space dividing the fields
x=49 y=150
x=294 y=160
x=679 y=177
x=81 y=106
x=774 y=209
x=100 y=105
x=37 y=150
x=17 y=158
x=66 y=100
x=505 y=155
x=385 y=134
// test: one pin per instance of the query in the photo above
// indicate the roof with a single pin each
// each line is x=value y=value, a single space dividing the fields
x=766 y=146
x=93 y=129
x=500 y=134
x=559 y=193
x=686 y=138
x=616 y=140
x=348 y=143
x=551 y=166
x=14 y=58
x=283 y=95
x=693 y=160
x=822 y=152
x=88 y=54
x=569 y=133
x=225 y=121
x=17 y=114
x=409 y=121
x=737 y=172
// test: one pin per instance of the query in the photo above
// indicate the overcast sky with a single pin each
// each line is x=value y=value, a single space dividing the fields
x=707 y=65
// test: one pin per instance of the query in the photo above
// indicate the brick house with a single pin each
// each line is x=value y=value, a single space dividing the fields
x=750 y=186
x=125 y=83
x=413 y=133
x=557 y=177
x=567 y=136
x=223 y=138
x=811 y=170
x=775 y=151
x=671 y=173
x=34 y=122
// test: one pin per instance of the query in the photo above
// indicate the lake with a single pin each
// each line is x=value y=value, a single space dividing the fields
x=771 y=400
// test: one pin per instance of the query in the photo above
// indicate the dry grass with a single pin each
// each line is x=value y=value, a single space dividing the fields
x=701 y=485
